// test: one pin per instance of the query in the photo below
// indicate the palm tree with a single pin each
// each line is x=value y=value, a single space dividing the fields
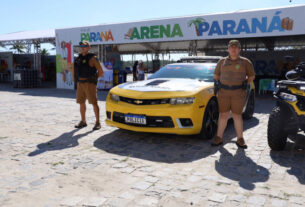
x=19 y=47
x=196 y=23
x=44 y=52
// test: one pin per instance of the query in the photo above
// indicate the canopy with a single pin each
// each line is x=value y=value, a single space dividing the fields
x=38 y=36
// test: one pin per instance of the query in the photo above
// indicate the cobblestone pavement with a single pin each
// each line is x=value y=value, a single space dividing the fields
x=44 y=161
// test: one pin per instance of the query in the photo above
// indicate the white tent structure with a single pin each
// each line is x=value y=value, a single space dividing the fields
x=29 y=38
x=261 y=29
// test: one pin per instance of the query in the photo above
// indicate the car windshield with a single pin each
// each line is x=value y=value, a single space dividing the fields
x=203 y=72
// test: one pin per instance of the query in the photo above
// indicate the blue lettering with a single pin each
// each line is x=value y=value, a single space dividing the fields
x=228 y=27
x=276 y=23
x=262 y=26
x=92 y=36
x=98 y=37
x=203 y=27
x=243 y=27
x=215 y=28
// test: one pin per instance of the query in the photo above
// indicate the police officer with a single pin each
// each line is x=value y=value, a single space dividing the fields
x=233 y=74
x=87 y=71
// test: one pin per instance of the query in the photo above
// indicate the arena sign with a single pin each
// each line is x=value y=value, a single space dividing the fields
x=253 y=25
x=275 y=22
x=154 y=32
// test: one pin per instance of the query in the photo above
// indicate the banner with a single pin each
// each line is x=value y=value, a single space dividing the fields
x=242 y=24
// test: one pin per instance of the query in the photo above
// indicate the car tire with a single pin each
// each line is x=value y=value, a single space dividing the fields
x=210 y=120
x=248 y=114
x=277 y=137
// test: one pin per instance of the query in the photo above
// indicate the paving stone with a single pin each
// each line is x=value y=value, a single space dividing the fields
x=278 y=202
x=153 y=193
x=37 y=182
x=128 y=170
x=179 y=171
x=194 y=178
x=72 y=201
x=297 y=199
x=118 y=202
x=238 y=198
x=217 y=197
x=256 y=200
x=120 y=165
x=94 y=201
x=151 y=179
x=148 y=201
x=127 y=195
x=142 y=185
x=147 y=169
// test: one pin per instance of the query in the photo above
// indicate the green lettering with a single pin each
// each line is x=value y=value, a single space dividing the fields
x=154 y=31
x=144 y=32
x=165 y=31
x=135 y=34
x=177 y=31
x=82 y=36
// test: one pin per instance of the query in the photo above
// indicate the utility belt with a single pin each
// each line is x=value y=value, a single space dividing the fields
x=91 y=79
x=227 y=87
x=218 y=85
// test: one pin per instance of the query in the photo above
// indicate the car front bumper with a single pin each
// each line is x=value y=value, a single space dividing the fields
x=163 y=118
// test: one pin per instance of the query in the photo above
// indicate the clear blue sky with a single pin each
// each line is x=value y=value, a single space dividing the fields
x=20 y=15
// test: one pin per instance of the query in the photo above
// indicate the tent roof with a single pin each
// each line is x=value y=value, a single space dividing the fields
x=38 y=35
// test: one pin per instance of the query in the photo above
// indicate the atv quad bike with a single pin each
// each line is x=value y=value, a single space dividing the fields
x=288 y=116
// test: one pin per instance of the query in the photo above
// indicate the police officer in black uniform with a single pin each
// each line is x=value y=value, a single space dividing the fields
x=87 y=71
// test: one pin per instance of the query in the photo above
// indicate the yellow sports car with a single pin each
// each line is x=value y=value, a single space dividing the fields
x=177 y=99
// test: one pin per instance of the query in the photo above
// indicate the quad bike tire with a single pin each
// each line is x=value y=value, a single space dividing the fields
x=277 y=137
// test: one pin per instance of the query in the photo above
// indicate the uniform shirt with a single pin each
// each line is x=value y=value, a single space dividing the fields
x=93 y=62
x=234 y=72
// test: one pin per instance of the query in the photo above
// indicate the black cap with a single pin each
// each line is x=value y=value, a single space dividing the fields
x=84 y=43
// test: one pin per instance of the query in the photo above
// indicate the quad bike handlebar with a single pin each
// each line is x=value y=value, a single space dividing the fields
x=298 y=73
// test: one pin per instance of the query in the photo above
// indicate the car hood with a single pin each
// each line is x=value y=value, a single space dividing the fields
x=161 y=88
x=165 y=84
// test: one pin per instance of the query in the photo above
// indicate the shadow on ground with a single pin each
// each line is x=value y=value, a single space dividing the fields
x=48 y=92
x=264 y=104
x=292 y=157
x=240 y=168
x=161 y=147
x=64 y=141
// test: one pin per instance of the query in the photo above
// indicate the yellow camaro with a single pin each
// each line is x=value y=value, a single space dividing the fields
x=177 y=99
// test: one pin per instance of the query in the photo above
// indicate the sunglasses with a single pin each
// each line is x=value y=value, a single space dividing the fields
x=82 y=45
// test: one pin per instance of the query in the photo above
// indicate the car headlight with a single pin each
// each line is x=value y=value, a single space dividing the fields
x=114 y=97
x=288 y=97
x=177 y=101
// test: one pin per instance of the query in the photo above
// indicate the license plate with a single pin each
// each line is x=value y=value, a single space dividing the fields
x=135 y=119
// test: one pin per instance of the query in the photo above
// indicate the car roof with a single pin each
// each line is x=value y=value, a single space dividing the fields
x=203 y=59
x=200 y=57
x=194 y=63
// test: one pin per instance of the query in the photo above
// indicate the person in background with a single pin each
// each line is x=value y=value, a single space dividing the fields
x=141 y=70
x=134 y=70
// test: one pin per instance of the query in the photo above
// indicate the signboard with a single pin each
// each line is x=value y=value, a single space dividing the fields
x=242 y=24
x=106 y=81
